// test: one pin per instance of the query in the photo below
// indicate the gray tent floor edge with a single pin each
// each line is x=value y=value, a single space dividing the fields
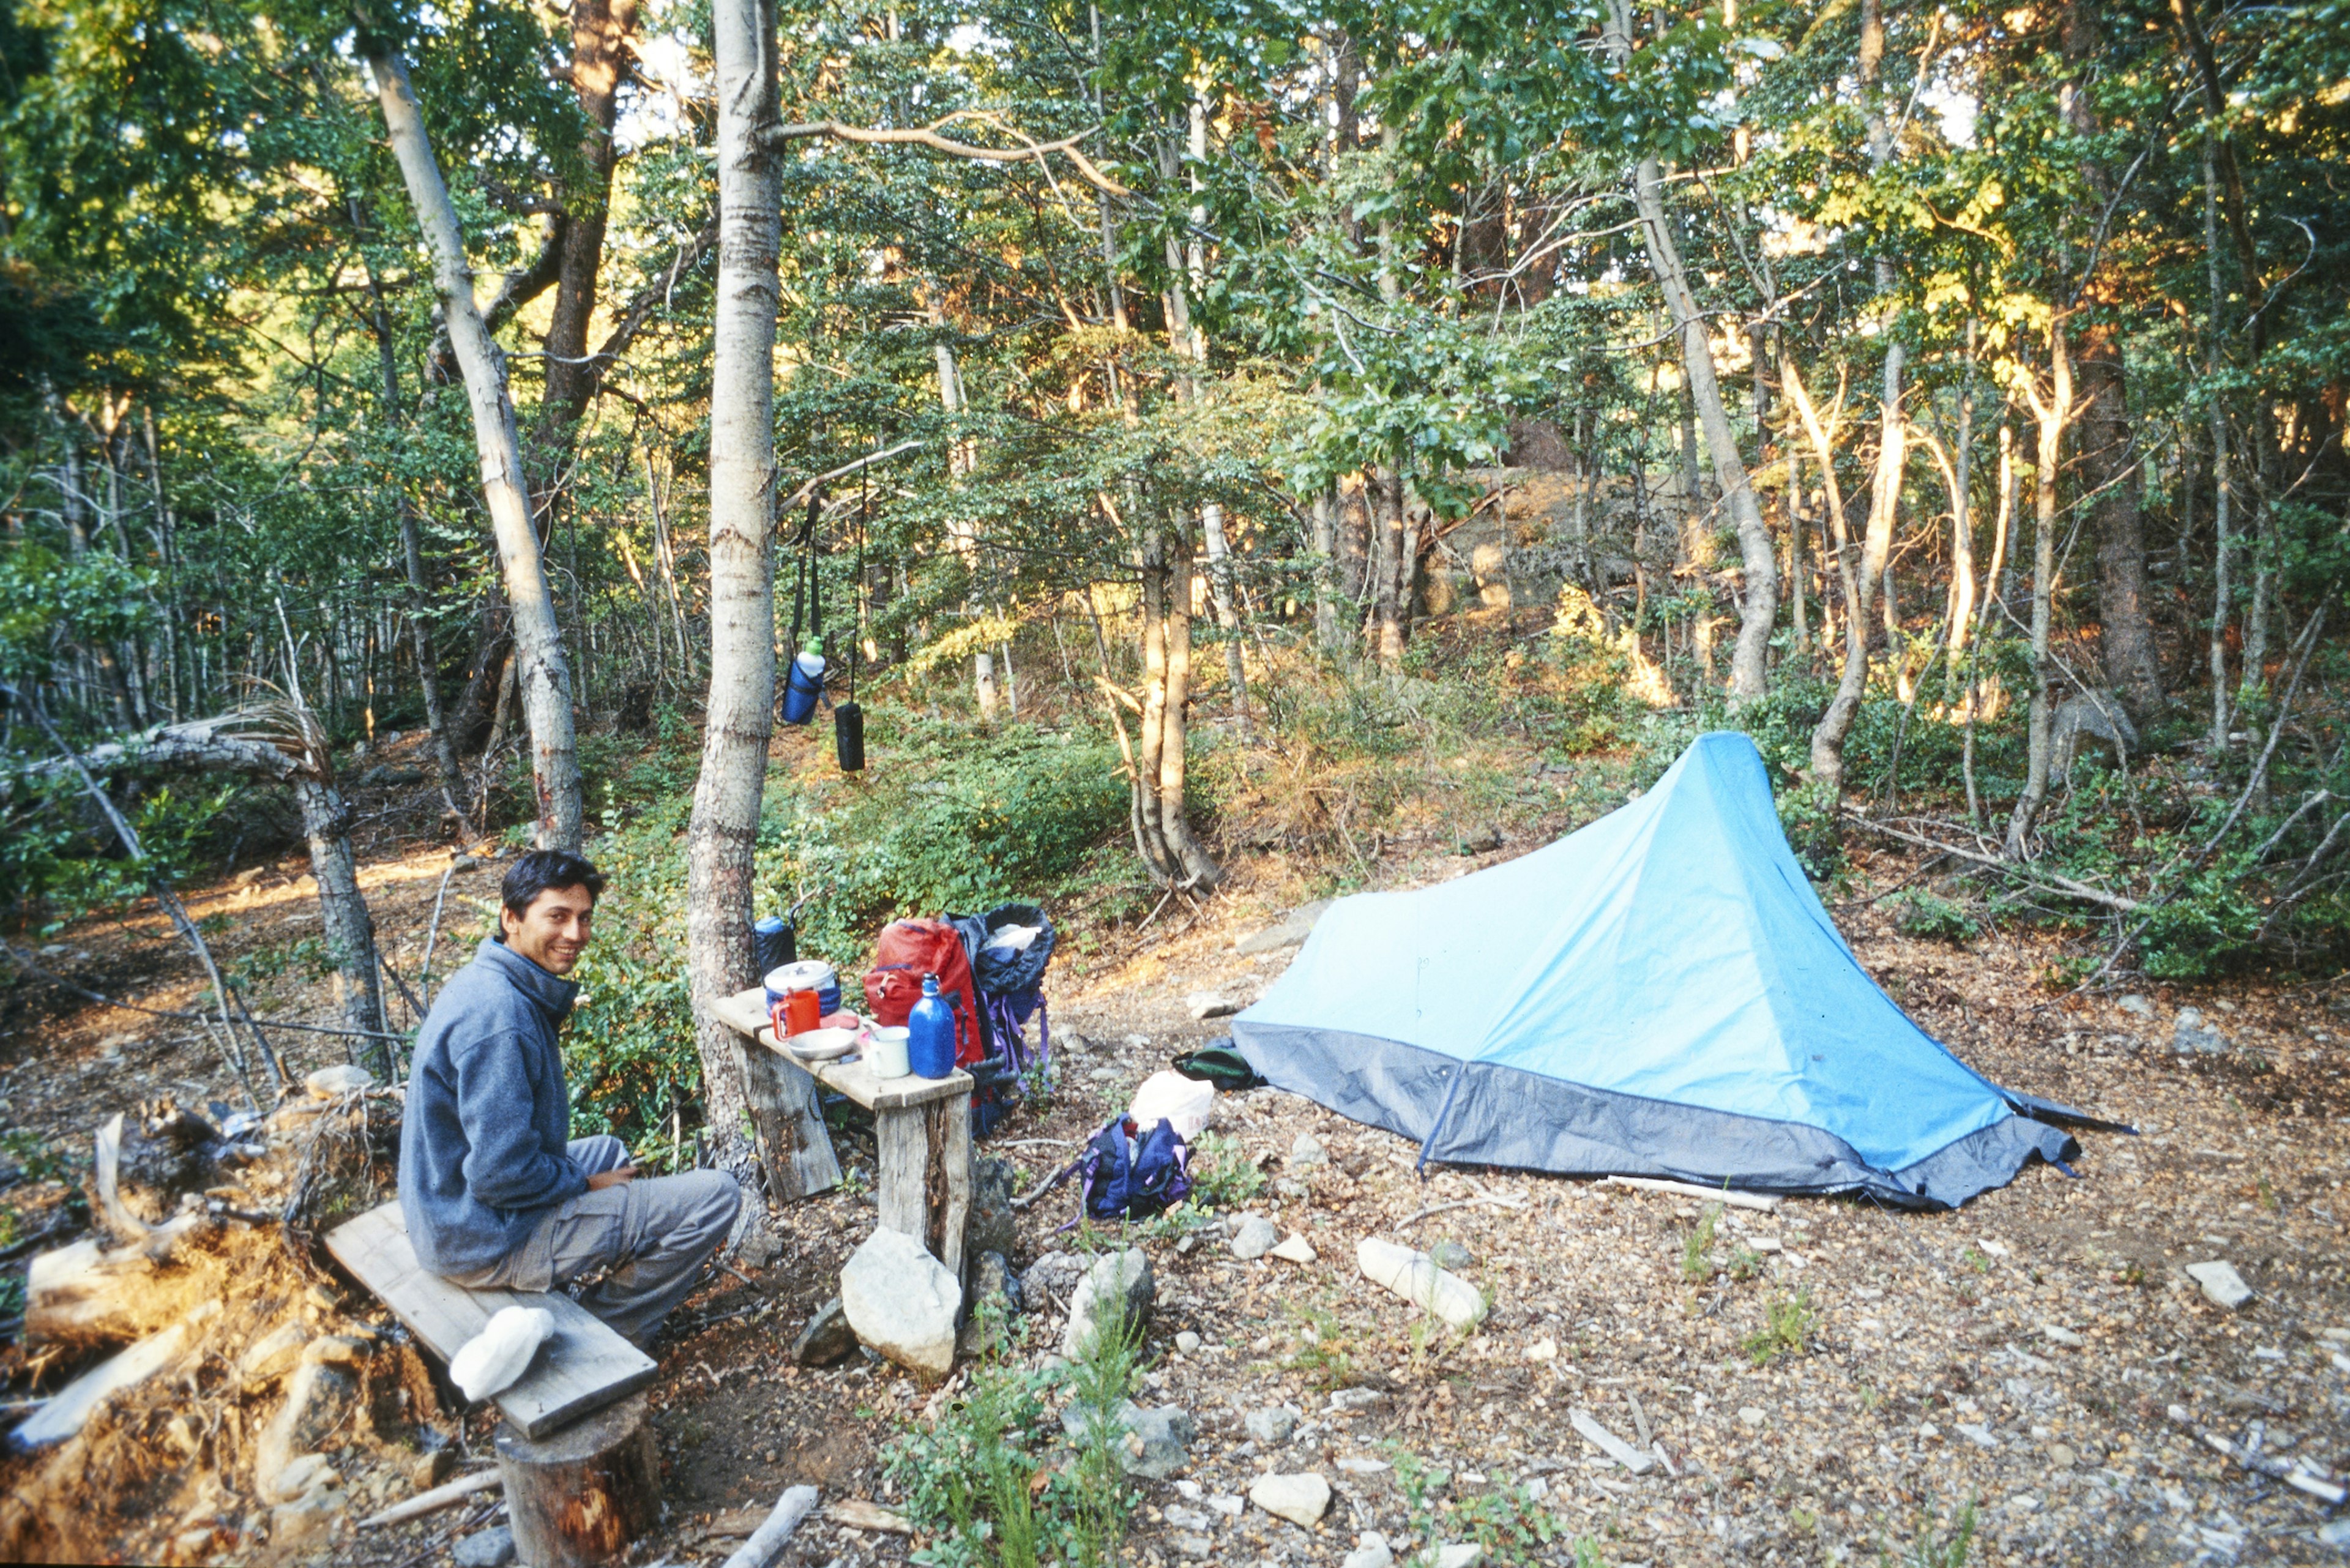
x=1508 y=1116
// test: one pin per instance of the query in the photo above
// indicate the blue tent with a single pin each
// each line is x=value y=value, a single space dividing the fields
x=1659 y=993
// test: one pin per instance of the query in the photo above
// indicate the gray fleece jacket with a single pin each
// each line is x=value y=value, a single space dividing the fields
x=482 y=1142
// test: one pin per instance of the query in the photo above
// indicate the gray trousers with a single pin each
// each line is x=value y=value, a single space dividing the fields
x=650 y=1236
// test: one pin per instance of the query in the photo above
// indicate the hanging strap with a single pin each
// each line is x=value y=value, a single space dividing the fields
x=800 y=575
x=864 y=520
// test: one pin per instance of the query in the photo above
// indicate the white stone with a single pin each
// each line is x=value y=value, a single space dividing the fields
x=2137 y=1006
x=1307 y=1150
x=1299 y=1499
x=1414 y=1276
x=274 y=1353
x=1356 y=1466
x=2055 y=1334
x=1207 y=1004
x=345 y=1078
x=1120 y=1279
x=1459 y=1554
x=903 y=1302
x=1978 y=1434
x=1188 y=1343
x=298 y=1475
x=1371 y=1551
x=316 y=1513
x=1255 y=1237
x=1544 y=1349
x=1227 y=1504
x=2222 y=1286
x=1357 y=1399
x=1296 y=1250
x=1751 y=1414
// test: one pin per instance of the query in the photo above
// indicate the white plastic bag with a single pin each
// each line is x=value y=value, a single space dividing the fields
x=1170 y=1097
x=491 y=1361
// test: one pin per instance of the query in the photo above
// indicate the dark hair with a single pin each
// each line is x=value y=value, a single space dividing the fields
x=543 y=869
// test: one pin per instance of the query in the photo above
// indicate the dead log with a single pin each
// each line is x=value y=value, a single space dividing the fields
x=432 y=1501
x=86 y=1294
x=580 y=1497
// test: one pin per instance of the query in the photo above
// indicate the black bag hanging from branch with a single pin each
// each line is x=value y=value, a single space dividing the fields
x=804 y=674
x=848 y=718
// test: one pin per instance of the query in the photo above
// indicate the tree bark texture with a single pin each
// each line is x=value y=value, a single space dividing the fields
x=741 y=707
x=343 y=912
x=1750 y=665
x=545 y=678
x=2052 y=416
x=602 y=35
x=2224 y=488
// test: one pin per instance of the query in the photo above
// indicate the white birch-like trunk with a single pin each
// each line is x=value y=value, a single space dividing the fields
x=741 y=709
x=544 y=675
x=2052 y=416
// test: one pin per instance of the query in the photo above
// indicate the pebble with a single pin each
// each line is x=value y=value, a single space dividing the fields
x=1452 y=1255
x=1255 y=1237
x=1542 y=1350
x=1978 y=1434
x=1124 y=1277
x=1371 y=1551
x=2062 y=1456
x=2222 y=1286
x=1459 y=1554
x=1751 y=1414
x=1301 y=1499
x=1207 y=1004
x=1307 y=1150
x=1296 y=1250
x=1183 y=1518
x=1102 y=1074
x=2136 y=1006
x=2190 y=1033
x=1767 y=1244
x=1357 y=1399
x=1188 y=1343
x=1227 y=1504
x=1356 y=1466
x=2057 y=1334
x=1272 y=1424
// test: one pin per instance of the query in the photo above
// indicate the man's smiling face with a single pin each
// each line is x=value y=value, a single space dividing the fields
x=553 y=932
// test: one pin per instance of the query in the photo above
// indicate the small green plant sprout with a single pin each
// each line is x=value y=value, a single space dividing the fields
x=1975 y=1260
x=1586 y=1554
x=1222 y=1174
x=1745 y=1262
x=1322 y=1353
x=1933 y=1547
x=1787 y=1325
x=1697 y=1250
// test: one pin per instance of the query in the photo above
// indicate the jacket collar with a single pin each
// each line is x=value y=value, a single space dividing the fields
x=552 y=994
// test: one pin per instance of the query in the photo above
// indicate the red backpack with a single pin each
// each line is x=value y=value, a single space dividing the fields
x=908 y=951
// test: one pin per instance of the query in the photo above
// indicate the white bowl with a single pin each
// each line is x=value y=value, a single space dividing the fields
x=822 y=1045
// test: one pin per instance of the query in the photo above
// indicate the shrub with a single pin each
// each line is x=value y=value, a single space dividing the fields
x=1918 y=913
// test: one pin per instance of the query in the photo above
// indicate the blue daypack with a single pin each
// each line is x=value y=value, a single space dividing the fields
x=1127 y=1174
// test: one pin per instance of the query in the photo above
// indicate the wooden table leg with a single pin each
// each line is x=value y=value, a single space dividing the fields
x=789 y=1119
x=925 y=1179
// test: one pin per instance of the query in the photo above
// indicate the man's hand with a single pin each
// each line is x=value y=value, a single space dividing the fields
x=603 y=1178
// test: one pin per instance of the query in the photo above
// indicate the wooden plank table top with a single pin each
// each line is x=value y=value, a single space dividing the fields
x=583 y=1366
x=746 y=1011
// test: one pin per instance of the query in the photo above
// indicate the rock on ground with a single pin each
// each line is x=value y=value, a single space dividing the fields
x=994 y=1285
x=903 y=1302
x=1270 y=1425
x=318 y=1399
x=2191 y=1033
x=827 y=1339
x=1119 y=1282
x=1255 y=1237
x=1152 y=1444
x=1291 y=929
x=2222 y=1286
x=491 y=1548
x=1415 y=1277
x=1299 y=1499
x=993 y=1226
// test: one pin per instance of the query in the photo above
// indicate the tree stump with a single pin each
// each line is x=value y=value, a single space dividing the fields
x=580 y=1497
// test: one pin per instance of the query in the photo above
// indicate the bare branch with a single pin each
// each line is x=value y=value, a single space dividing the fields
x=928 y=136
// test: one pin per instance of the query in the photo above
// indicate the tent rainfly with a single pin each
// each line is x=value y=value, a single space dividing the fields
x=1659 y=993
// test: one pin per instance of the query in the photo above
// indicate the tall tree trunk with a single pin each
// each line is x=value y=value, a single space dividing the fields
x=2052 y=415
x=546 y=676
x=602 y=35
x=343 y=912
x=740 y=721
x=1326 y=636
x=2224 y=488
x=1885 y=495
x=2106 y=454
x=1750 y=665
x=1390 y=567
x=1174 y=821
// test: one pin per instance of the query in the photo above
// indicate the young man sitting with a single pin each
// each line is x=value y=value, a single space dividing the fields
x=495 y=1192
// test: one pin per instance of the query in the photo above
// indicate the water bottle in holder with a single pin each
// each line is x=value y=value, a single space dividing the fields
x=805 y=684
x=931 y=1033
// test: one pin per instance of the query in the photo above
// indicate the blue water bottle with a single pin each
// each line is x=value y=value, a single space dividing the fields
x=931 y=1033
x=804 y=683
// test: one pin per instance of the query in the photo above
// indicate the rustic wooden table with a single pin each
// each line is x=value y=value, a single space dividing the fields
x=923 y=1126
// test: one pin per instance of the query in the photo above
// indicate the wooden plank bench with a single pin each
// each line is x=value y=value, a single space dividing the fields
x=923 y=1126
x=583 y=1366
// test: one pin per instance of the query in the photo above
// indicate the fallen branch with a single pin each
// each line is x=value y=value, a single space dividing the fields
x=767 y=1542
x=2294 y=1476
x=2046 y=880
x=1759 y=1202
x=432 y=1501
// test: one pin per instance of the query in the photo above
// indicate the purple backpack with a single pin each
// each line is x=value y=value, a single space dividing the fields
x=1126 y=1175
